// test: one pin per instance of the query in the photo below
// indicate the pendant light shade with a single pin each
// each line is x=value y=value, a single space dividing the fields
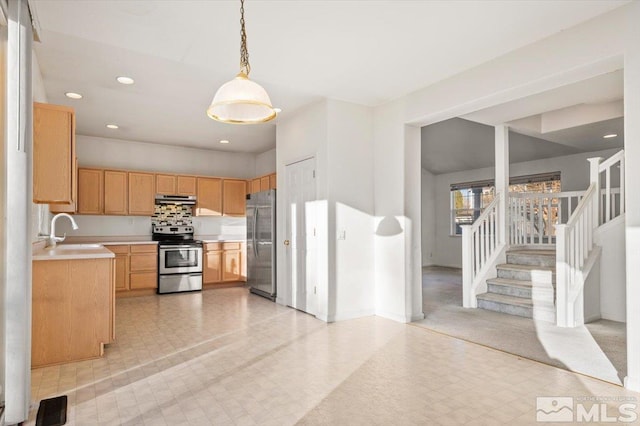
x=241 y=101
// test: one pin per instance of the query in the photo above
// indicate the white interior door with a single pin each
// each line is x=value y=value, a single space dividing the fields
x=301 y=192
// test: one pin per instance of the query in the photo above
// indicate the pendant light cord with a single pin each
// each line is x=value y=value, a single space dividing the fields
x=244 y=52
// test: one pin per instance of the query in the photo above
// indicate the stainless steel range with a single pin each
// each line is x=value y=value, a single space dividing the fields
x=179 y=255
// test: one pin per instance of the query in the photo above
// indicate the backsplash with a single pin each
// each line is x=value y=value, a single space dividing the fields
x=105 y=226
x=172 y=214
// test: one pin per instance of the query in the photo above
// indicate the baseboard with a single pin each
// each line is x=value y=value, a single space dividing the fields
x=403 y=318
x=341 y=316
x=612 y=316
x=592 y=318
x=323 y=317
x=281 y=301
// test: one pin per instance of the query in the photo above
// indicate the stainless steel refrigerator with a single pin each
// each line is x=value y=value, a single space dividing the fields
x=261 y=250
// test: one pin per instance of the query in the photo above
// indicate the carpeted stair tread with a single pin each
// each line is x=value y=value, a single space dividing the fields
x=506 y=300
x=516 y=267
x=511 y=282
x=533 y=252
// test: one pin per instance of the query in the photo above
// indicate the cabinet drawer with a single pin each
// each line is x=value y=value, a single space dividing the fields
x=142 y=280
x=212 y=246
x=144 y=262
x=144 y=248
x=231 y=246
x=118 y=249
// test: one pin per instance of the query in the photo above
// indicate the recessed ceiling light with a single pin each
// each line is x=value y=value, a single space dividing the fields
x=277 y=110
x=125 y=80
x=224 y=141
x=609 y=136
x=112 y=126
x=73 y=95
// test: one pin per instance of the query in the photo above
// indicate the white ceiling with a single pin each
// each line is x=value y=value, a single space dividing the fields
x=180 y=52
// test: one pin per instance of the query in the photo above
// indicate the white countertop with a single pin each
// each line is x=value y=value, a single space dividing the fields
x=72 y=251
x=146 y=239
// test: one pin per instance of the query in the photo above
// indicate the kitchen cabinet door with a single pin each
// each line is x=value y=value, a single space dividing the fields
x=186 y=185
x=54 y=154
x=142 y=188
x=166 y=184
x=212 y=268
x=90 y=191
x=272 y=181
x=232 y=269
x=122 y=266
x=72 y=207
x=209 y=198
x=234 y=197
x=264 y=183
x=115 y=193
x=255 y=185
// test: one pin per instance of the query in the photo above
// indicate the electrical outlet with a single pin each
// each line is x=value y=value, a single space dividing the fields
x=342 y=235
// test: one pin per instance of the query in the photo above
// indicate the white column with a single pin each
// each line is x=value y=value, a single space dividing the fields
x=632 y=174
x=502 y=177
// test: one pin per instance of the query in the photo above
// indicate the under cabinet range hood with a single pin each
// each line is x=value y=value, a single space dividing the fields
x=188 y=200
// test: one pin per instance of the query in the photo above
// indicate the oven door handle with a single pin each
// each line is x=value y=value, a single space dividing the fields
x=179 y=247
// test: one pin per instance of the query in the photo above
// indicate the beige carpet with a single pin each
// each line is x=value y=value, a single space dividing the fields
x=597 y=349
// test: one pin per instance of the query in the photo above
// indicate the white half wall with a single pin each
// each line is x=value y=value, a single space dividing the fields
x=611 y=237
x=574 y=175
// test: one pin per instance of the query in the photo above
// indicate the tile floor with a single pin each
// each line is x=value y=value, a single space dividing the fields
x=230 y=358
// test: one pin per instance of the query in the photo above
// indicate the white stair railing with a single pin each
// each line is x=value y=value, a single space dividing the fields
x=481 y=244
x=574 y=243
x=534 y=215
x=612 y=199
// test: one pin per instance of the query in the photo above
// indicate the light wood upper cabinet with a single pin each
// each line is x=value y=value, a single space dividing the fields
x=166 y=184
x=115 y=192
x=255 y=185
x=273 y=182
x=264 y=183
x=90 y=191
x=53 y=154
x=186 y=185
x=142 y=188
x=234 y=197
x=72 y=207
x=209 y=198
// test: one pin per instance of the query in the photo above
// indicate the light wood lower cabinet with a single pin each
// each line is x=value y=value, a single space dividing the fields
x=73 y=310
x=224 y=263
x=136 y=268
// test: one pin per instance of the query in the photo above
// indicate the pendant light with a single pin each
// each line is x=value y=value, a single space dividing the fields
x=241 y=101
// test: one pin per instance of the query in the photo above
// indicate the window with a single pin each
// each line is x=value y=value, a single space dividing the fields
x=469 y=199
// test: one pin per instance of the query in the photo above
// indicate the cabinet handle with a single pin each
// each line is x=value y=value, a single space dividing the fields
x=286 y=242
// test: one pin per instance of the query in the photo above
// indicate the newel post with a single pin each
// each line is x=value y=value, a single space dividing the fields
x=468 y=298
x=594 y=177
x=562 y=284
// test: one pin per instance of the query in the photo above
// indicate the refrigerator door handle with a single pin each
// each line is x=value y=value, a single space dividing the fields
x=255 y=237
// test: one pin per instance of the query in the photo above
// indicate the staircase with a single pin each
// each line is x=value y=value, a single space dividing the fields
x=525 y=285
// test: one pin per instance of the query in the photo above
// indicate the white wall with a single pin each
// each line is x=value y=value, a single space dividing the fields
x=611 y=237
x=428 y=215
x=337 y=134
x=300 y=136
x=265 y=163
x=134 y=155
x=351 y=221
x=574 y=175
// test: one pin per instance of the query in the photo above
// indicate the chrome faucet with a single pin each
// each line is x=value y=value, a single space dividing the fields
x=53 y=240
